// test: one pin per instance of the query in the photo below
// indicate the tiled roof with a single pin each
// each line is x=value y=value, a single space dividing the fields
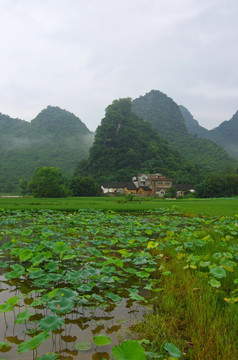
x=119 y=185
x=145 y=188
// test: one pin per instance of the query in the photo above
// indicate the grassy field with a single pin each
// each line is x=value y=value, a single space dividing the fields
x=206 y=207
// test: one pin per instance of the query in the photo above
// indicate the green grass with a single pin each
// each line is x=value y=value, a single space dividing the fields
x=206 y=207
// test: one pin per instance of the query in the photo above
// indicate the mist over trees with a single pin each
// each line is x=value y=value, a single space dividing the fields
x=150 y=134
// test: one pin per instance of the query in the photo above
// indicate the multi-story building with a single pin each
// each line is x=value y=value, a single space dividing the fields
x=158 y=183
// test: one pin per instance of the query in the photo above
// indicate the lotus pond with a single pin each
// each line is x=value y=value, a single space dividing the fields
x=74 y=285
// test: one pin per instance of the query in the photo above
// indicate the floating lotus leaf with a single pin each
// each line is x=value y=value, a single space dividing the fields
x=114 y=297
x=51 y=322
x=66 y=293
x=62 y=305
x=60 y=247
x=53 y=277
x=129 y=350
x=101 y=340
x=4 y=344
x=25 y=254
x=36 y=260
x=3 y=264
x=137 y=297
x=36 y=274
x=86 y=287
x=26 y=232
x=51 y=266
x=48 y=356
x=17 y=272
x=83 y=346
x=33 y=343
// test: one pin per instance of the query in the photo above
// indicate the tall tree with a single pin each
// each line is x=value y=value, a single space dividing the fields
x=47 y=182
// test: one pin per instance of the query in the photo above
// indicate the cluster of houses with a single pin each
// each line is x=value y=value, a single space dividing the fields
x=141 y=185
x=145 y=185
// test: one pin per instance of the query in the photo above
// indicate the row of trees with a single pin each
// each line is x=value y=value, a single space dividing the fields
x=218 y=186
x=49 y=182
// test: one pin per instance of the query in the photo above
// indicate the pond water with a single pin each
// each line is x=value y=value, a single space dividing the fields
x=81 y=325
x=90 y=272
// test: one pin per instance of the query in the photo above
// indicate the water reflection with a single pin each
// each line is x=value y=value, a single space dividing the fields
x=81 y=324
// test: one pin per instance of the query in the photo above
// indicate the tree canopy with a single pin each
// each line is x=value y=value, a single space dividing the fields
x=47 y=182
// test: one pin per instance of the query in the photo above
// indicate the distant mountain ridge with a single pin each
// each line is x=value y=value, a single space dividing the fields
x=55 y=137
x=171 y=122
x=225 y=135
x=173 y=143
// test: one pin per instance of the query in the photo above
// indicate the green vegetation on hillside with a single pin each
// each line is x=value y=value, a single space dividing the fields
x=125 y=145
x=225 y=135
x=165 y=116
x=192 y=125
x=55 y=138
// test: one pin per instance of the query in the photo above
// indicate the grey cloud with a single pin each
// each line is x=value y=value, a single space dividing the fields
x=80 y=55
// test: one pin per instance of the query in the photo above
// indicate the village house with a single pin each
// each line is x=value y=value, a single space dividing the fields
x=113 y=188
x=184 y=189
x=141 y=185
x=158 y=183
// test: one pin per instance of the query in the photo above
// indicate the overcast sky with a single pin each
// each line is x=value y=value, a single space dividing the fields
x=80 y=55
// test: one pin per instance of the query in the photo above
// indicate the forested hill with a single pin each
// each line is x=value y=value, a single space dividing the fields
x=55 y=137
x=192 y=125
x=165 y=116
x=225 y=135
x=162 y=112
x=126 y=145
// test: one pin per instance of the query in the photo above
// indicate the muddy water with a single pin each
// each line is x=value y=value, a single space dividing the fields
x=81 y=325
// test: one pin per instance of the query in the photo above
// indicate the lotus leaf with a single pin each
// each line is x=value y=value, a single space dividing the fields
x=25 y=254
x=23 y=316
x=17 y=272
x=33 y=343
x=129 y=350
x=4 y=344
x=83 y=346
x=48 y=356
x=218 y=272
x=3 y=264
x=51 y=322
x=63 y=305
x=114 y=297
x=6 y=307
x=172 y=350
x=101 y=340
x=215 y=283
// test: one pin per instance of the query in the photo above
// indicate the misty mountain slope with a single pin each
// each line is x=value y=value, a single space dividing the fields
x=54 y=138
x=192 y=125
x=165 y=116
x=126 y=145
x=162 y=112
x=225 y=135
